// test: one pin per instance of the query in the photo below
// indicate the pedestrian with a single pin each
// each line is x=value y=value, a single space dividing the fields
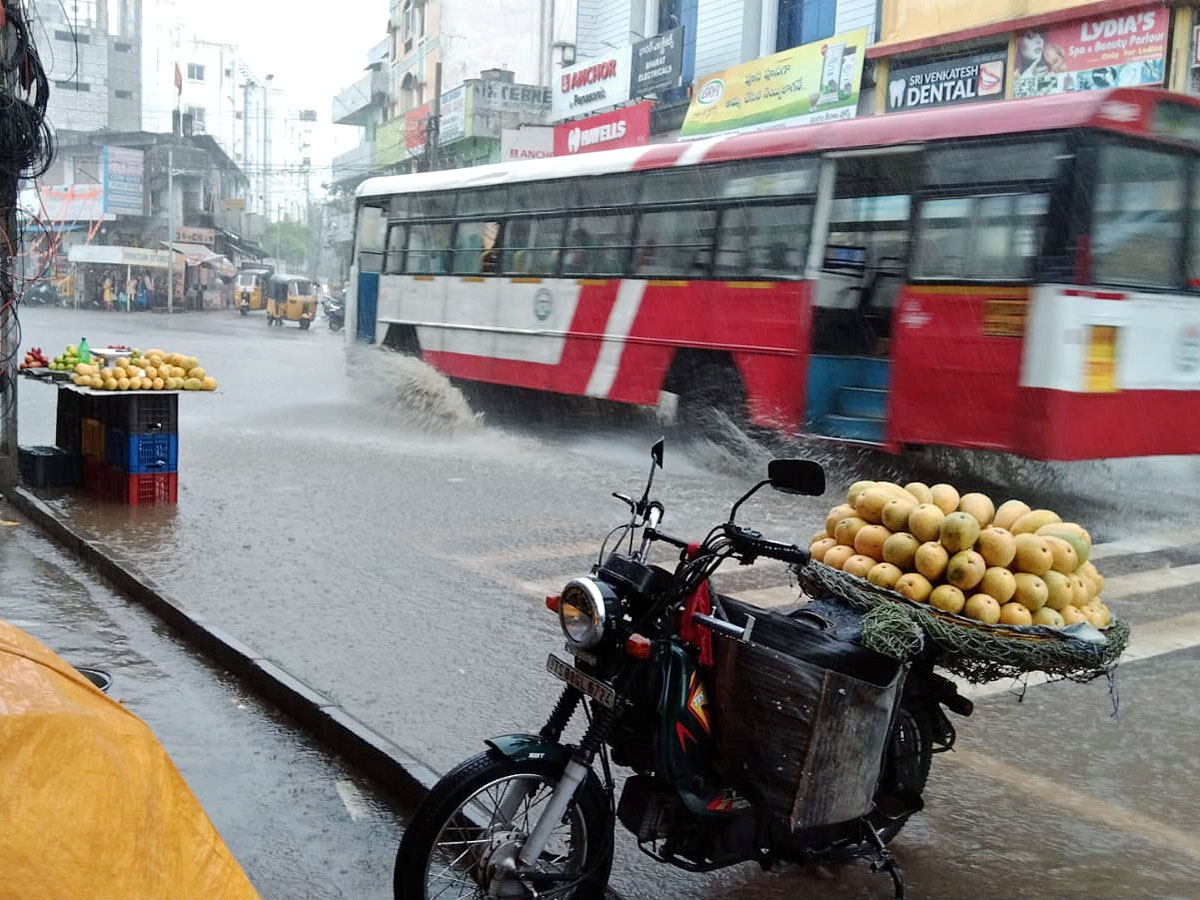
x=108 y=291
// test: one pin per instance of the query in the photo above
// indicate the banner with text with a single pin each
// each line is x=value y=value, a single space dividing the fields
x=817 y=82
x=530 y=142
x=625 y=127
x=123 y=175
x=1121 y=50
x=962 y=79
x=657 y=63
x=416 y=125
x=595 y=84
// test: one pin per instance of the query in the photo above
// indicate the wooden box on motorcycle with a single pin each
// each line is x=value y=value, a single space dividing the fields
x=804 y=714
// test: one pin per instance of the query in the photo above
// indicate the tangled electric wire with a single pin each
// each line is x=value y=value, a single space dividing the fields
x=26 y=151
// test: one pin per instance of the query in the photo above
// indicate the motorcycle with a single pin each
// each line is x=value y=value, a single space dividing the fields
x=752 y=734
x=244 y=306
x=335 y=313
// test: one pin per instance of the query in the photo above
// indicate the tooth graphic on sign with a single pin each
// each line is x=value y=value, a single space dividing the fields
x=896 y=92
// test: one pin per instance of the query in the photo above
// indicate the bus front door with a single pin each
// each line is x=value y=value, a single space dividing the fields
x=858 y=265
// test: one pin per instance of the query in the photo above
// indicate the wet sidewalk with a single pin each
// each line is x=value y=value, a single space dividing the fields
x=299 y=821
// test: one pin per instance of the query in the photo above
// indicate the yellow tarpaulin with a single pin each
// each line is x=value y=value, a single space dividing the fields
x=91 y=805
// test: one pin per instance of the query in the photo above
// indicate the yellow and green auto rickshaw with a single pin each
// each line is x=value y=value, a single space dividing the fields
x=250 y=292
x=291 y=298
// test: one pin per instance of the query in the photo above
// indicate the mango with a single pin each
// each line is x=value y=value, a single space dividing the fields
x=846 y=529
x=915 y=587
x=1081 y=545
x=1032 y=521
x=884 y=575
x=945 y=498
x=958 y=531
x=1059 y=593
x=1031 y=591
x=837 y=555
x=947 y=598
x=836 y=515
x=978 y=505
x=925 y=522
x=900 y=550
x=997 y=546
x=920 y=490
x=983 y=608
x=965 y=570
x=1033 y=554
x=1065 y=558
x=1008 y=513
x=896 y=513
x=857 y=488
x=1048 y=616
x=858 y=565
x=931 y=560
x=1071 y=615
x=869 y=541
x=1015 y=614
x=870 y=503
x=998 y=582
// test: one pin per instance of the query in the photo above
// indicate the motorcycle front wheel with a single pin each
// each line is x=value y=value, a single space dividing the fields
x=464 y=839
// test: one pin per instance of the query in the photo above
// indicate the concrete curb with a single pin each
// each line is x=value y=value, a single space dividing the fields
x=395 y=770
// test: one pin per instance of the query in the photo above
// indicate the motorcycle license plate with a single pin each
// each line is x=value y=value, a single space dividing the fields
x=585 y=684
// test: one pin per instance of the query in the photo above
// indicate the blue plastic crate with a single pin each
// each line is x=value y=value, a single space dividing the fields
x=138 y=454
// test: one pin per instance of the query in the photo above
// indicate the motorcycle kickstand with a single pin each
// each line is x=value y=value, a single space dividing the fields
x=885 y=861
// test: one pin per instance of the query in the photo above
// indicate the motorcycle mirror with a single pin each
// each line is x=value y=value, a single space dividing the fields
x=656 y=461
x=796 y=476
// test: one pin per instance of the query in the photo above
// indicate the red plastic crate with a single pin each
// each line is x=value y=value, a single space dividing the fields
x=141 y=490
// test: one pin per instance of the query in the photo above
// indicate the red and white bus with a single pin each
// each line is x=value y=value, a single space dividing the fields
x=1020 y=276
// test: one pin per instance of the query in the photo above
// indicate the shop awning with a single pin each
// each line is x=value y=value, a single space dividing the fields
x=194 y=254
x=221 y=266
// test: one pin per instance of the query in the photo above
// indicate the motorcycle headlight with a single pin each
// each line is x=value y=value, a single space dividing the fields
x=583 y=611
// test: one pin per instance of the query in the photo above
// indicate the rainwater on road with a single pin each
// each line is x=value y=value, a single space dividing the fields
x=352 y=517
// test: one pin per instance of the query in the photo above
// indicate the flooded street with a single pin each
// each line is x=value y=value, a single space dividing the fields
x=357 y=520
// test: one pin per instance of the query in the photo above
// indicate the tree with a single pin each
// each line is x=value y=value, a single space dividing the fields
x=289 y=241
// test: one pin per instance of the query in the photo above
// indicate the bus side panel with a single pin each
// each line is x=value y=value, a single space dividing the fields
x=956 y=363
x=764 y=326
x=552 y=342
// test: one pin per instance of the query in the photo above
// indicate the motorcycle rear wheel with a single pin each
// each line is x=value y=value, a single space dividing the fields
x=906 y=764
x=441 y=838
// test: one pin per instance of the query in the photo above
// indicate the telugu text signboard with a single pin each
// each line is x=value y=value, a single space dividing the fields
x=625 y=127
x=657 y=63
x=963 y=79
x=817 y=82
x=1122 y=50
x=591 y=85
x=452 y=125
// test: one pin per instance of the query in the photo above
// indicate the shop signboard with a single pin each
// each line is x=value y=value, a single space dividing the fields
x=530 y=142
x=593 y=84
x=625 y=127
x=195 y=235
x=122 y=171
x=1121 y=50
x=452 y=125
x=962 y=79
x=416 y=123
x=657 y=63
x=817 y=82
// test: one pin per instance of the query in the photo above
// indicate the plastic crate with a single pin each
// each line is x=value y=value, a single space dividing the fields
x=68 y=427
x=142 y=413
x=141 y=453
x=92 y=438
x=141 y=490
x=49 y=466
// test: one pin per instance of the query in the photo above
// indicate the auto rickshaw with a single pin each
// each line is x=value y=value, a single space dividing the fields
x=249 y=292
x=291 y=298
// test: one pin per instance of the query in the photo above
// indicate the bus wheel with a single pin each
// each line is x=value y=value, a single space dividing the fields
x=402 y=339
x=712 y=396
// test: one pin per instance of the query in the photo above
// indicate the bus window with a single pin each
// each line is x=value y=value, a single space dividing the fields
x=878 y=224
x=998 y=161
x=763 y=241
x=608 y=192
x=474 y=246
x=372 y=230
x=682 y=185
x=1137 y=216
x=394 y=263
x=531 y=246
x=538 y=196
x=598 y=245
x=432 y=206
x=770 y=178
x=676 y=243
x=992 y=236
x=428 y=249
x=481 y=202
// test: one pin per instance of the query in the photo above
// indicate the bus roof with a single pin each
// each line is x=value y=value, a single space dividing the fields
x=1128 y=110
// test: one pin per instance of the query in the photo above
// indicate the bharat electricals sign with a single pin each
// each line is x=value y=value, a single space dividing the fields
x=817 y=82
x=626 y=127
x=962 y=79
x=599 y=82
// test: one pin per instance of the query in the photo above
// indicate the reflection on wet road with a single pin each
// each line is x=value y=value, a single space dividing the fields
x=365 y=527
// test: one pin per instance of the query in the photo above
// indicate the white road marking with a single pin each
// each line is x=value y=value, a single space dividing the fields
x=1150 y=580
x=620 y=321
x=353 y=800
x=1084 y=806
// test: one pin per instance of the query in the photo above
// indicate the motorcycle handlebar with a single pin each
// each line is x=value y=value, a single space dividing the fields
x=751 y=543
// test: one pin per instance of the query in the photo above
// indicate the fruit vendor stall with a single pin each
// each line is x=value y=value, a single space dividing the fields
x=117 y=428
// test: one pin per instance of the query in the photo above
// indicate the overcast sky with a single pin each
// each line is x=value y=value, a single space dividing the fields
x=313 y=51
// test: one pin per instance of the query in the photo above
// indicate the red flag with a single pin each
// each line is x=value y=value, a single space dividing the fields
x=178 y=81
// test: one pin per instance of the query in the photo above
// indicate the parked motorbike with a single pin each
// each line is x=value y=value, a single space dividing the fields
x=244 y=305
x=335 y=313
x=772 y=736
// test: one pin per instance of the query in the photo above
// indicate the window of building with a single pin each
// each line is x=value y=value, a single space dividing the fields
x=197 y=114
x=82 y=86
x=122 y=47
x=72 y=37
x=308 y=115
x=804 y=21
x=123 y=95
x=195 y=72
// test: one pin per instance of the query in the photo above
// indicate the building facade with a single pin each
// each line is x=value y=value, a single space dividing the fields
x=92 y=52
